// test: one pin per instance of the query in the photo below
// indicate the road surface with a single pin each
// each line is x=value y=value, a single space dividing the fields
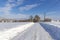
x=29 y=31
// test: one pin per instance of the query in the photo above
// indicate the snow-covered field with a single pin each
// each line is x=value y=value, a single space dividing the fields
x=10 y=30
x=30 y=31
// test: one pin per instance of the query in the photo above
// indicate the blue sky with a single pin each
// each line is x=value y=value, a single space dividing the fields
x=24 y=8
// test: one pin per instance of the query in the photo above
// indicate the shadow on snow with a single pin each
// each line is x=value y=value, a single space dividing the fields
x=52 y=30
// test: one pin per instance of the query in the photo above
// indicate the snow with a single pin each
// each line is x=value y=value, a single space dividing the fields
x=36 y=32
x=53 y=29
x=5 y=26
x=56 y=24
x=23 y=31
x=10 y=33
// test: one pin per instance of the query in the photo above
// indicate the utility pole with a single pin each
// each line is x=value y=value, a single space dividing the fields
x=44 y=16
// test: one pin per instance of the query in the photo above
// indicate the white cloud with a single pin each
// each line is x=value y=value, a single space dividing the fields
x=8 y=7
x=28 y=7
x=15 y=16
x=6 y=10
x=7 y=13
x=53 y=15
x=16 y=2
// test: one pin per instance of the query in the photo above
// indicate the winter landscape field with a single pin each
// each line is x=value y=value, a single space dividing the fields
x=29 y=19
x=30 y=31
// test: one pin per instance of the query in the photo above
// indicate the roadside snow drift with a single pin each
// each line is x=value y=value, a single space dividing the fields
x=53 y=29
x=10 y=33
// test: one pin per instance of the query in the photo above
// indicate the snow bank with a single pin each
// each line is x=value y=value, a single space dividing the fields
x=10 y=33
x=5 y=26
x=56 y=24
x=54 y=31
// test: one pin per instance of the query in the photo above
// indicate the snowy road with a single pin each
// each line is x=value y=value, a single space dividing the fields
x=24 y=31
x=36 y=32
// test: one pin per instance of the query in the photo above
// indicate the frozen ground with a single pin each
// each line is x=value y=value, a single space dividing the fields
x=53 y=29
x=24 y=31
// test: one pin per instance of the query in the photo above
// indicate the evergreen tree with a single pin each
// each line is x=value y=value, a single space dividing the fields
x=36 y=18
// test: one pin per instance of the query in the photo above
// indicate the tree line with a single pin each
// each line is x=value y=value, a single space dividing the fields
x=35 y=19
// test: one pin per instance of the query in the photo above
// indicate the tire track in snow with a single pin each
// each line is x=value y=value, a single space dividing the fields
x=36 y=32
